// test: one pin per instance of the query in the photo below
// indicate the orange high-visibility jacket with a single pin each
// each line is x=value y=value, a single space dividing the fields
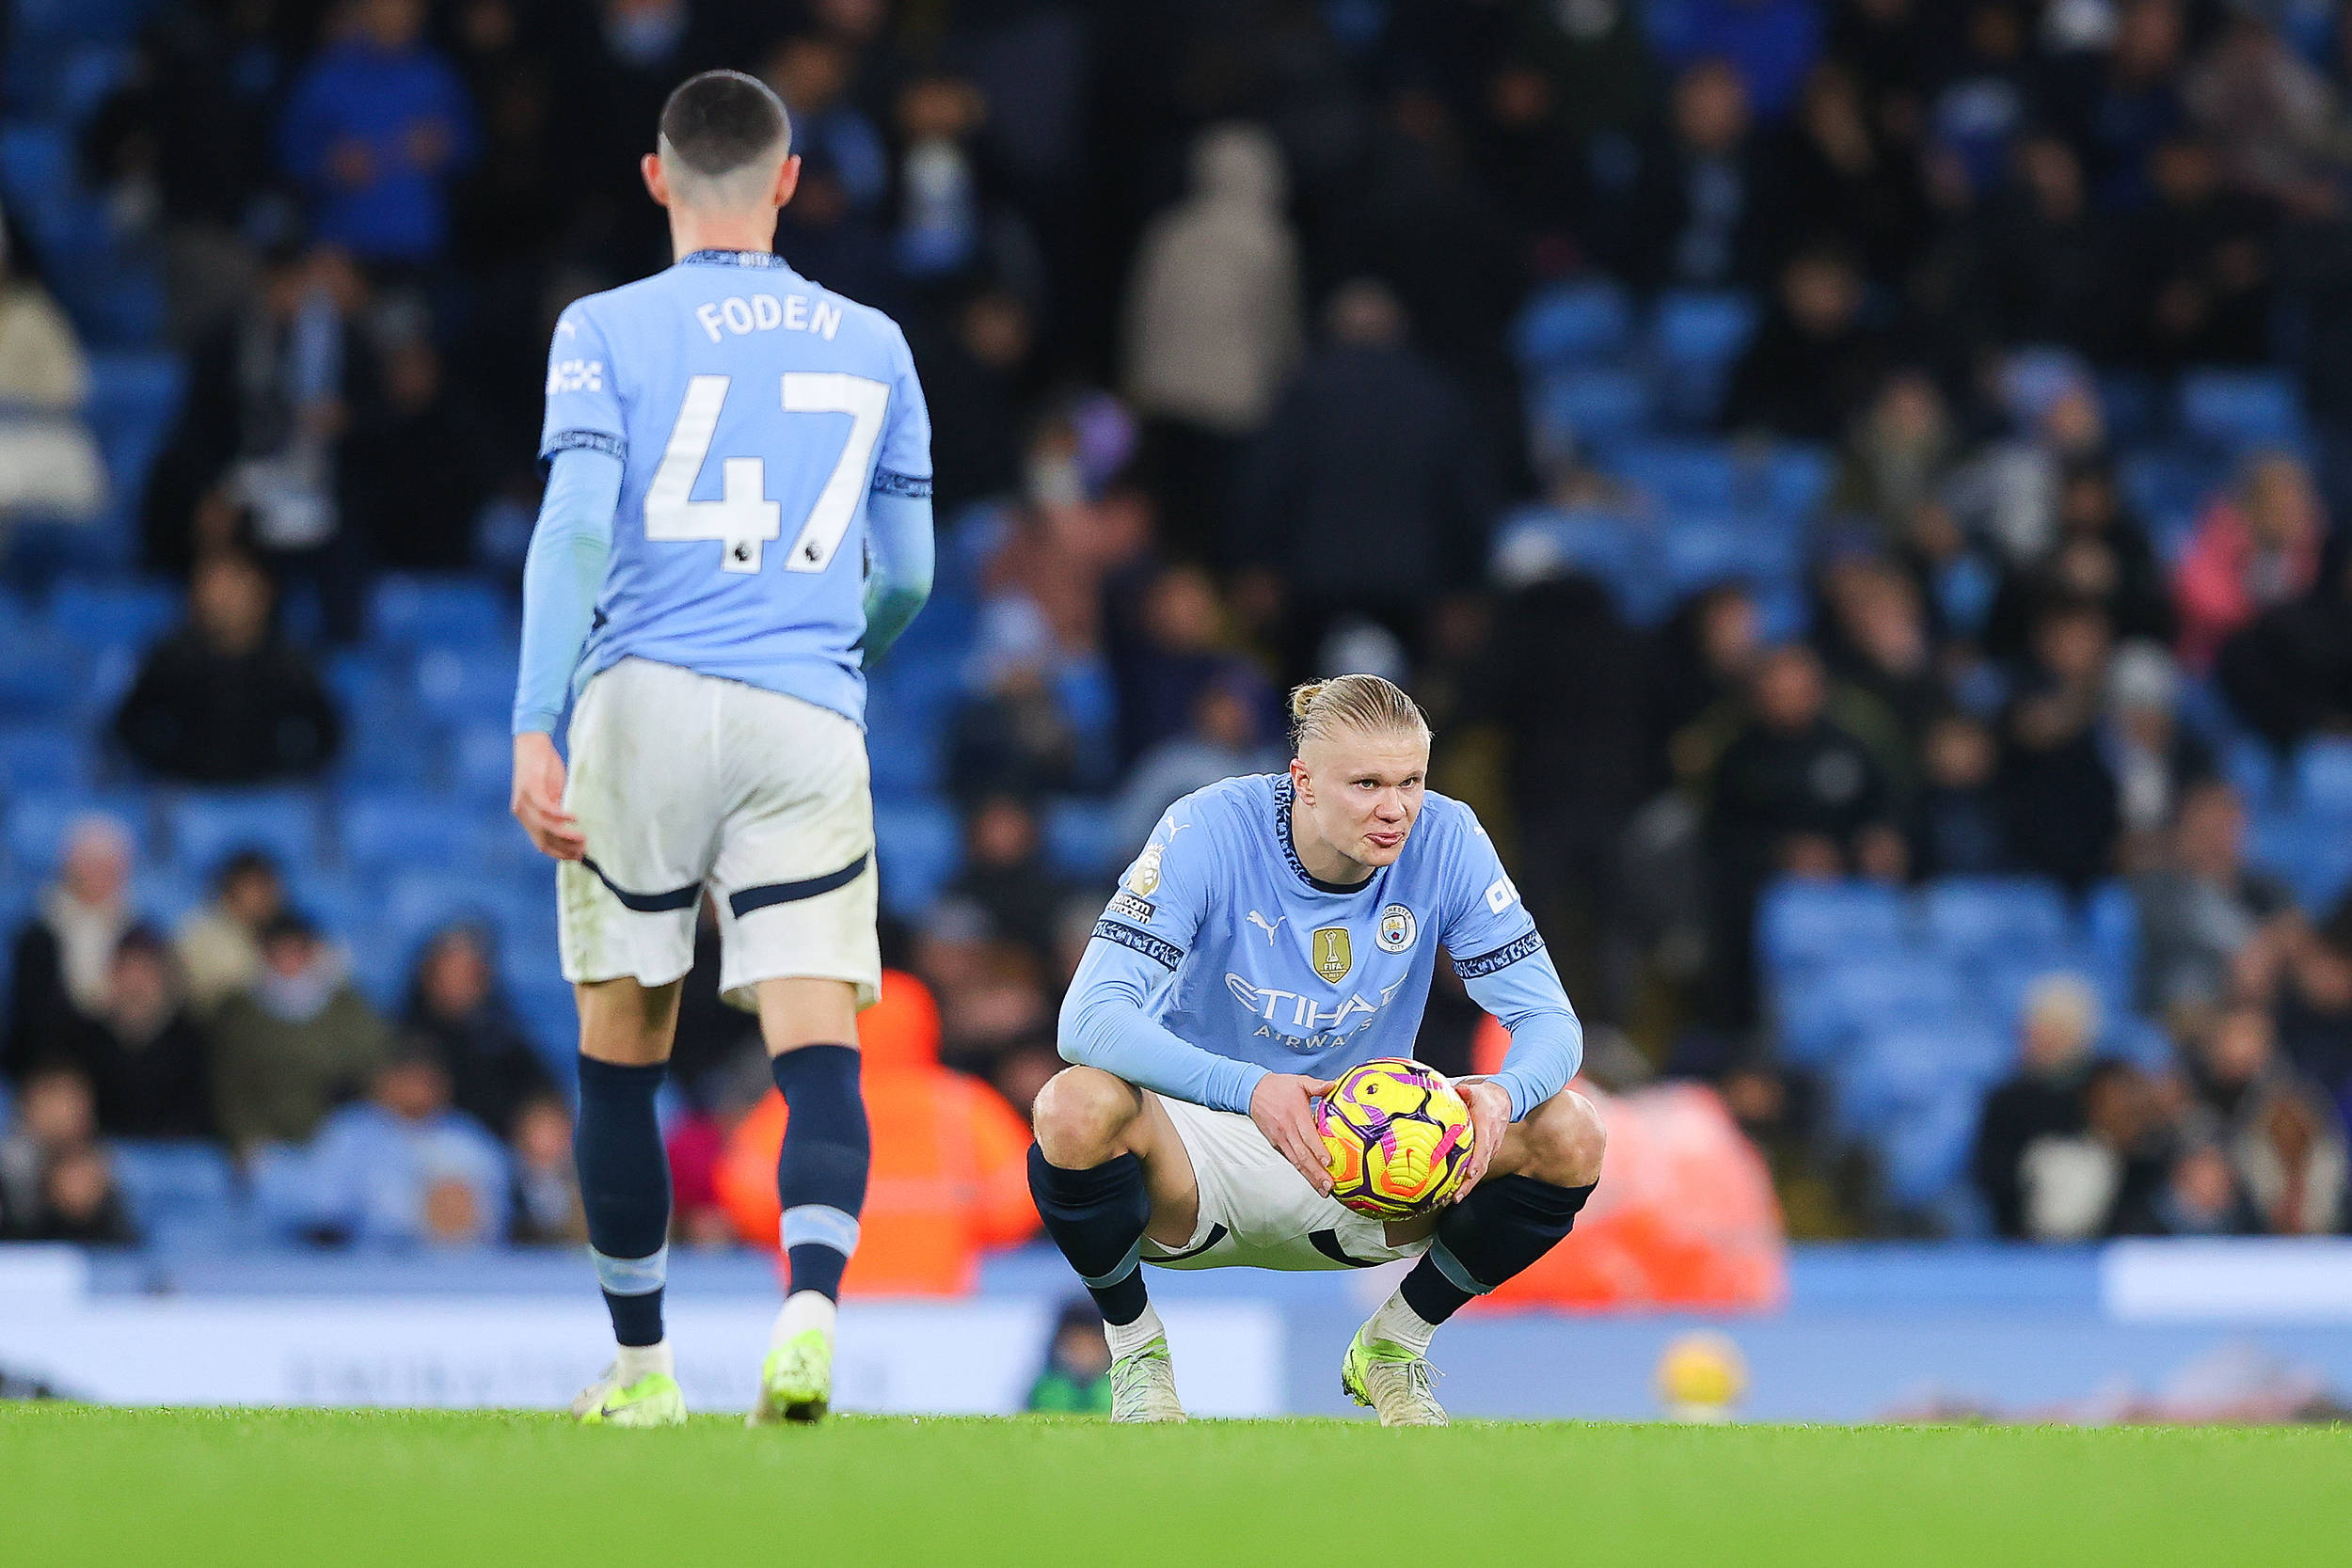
x=950 y=1160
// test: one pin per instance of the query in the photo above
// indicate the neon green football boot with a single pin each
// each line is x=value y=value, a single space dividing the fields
x=796 y=1380
x=1143 y=1385
x=1392 y=1380
x=653 y=1401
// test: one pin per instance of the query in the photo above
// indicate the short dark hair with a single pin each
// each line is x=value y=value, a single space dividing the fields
x=720 y=121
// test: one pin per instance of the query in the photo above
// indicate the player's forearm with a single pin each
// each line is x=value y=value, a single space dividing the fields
x=1104 y=1025
x=899 y=582
x=1546 y=1041
x=562 y=577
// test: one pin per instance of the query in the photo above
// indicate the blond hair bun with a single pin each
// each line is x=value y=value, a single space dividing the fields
x=1367 y=705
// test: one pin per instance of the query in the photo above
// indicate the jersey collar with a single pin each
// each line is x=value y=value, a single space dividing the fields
x=1285 y=791
x=731 y=259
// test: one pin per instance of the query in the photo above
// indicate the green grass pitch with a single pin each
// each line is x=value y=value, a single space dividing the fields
x=255 y=1488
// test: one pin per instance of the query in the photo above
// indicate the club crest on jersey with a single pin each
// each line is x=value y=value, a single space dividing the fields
x=1334 y=953
x=1145 y=877
x=1397 y=929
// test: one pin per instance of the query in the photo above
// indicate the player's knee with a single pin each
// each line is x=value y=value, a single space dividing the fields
x=1082 y=1115
x=1568 y=1141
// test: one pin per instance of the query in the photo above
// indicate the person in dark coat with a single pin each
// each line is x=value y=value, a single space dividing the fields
x=454 y=1003
x=222 y=701
x=149 y=1064
x=1367 y=492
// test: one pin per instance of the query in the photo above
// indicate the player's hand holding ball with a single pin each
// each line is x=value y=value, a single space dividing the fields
x=1283 y=1107
x=1399 y=1141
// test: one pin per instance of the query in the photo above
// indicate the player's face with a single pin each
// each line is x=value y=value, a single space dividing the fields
x=1362 y=793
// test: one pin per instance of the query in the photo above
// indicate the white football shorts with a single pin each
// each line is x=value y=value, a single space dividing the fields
x=682 y=780
x=1257 y=1212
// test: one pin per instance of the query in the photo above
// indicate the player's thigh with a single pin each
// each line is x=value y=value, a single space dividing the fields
x=1255 y=1210
x=794 y=875
x=643 y=781
x=628 y=1024
x=797 y=1011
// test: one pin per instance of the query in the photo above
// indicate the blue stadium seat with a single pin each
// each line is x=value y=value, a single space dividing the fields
x=43 y=757
x=1697 y=552
x=2135 y=406
x=2311 y=855
x=1825 y=1013
x=1537 y=543
x=904 y=749
x=101 y=615
x=918 y=847
x=171 y=1186
x=1078 y=841
x=2168 y=487
x=1996 y=919
x=1924 y=1149
x=99 y=21
x=387 y=829
x=2234 y=409
x=206 y=826
x=38 y=821
x=2111 y=936
x=550 y=1016
x=475 y=683
x=1573 y=324
x=134 y=400
x=39 y=677
x=167 y=896
x=1699 y=326
x=2323 y=778
x=435 y=611
x=1681 y=475
x=1909 y=1068
x=1806 y=924
x=284 y=1191
x=2252 y=768
x=341 y=904
x=1591 y=404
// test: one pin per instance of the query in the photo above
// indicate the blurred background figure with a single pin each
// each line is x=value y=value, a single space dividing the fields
x=301 y=1040
x=403 y=1166
x=62 y=958
x=1075 y=1379
x=219 y=944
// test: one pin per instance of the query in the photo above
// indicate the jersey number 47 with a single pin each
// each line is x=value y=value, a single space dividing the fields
x=743 y=518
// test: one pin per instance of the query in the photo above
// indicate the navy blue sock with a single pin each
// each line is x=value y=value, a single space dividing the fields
x=625 y=1192
x=1501 y=1228
x=820 y=1171
x=1096 y=1217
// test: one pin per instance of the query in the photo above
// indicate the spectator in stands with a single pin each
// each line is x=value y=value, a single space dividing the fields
x=2201 y=908
x=1005 y=874
x=456 y=1003
x=697 y=1143
x=951 y=1158
x=2200 y=1195
x=1815 y=361
x=2099 y=554
x=1076 y=1378
x=2305 y=975
x=2131 y=103
x=1845 y=178
x=2106 y=1179
x=2152 y=756
x=2042 y=1100
x=1708 y=655
x=1701 y=200
x=63 y=956
x=1179 y=654
x=1897 y=457
x=2288 y=672
x=56 y=1182
x=222 y=701
x=1794 y=794
x=1014 y=736
x=2255 y=549
x=419 y=466
x=2061 y=795
x=2196 y=270
x=2033 y=265
x=403 y=1168
x=975 y=380
x=1771 y=43
x=1367 y=492
x=1874 y=641
x=145 y=1059
x=1228 y=737
x=219 y=944
x=2282 y=1134
x=375 y=129
x=301 y=1040
x=255 y=462
x=49 y=466
x=547 y=1206
x=1962 y=818
x=1213 y=325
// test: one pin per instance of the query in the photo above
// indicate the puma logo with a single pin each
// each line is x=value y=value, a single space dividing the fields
x=1267 y=926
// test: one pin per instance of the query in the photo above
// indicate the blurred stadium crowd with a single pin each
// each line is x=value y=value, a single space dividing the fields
x=1852 y=480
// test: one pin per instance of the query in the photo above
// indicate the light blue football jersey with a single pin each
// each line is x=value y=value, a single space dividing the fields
x=753 y=412
x=1249 y=958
